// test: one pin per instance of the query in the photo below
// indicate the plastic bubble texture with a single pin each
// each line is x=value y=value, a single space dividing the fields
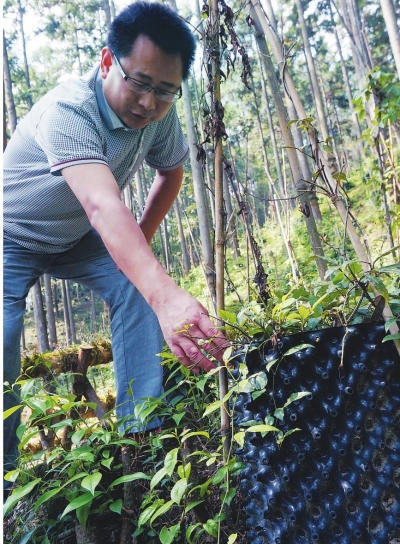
x=337 y=480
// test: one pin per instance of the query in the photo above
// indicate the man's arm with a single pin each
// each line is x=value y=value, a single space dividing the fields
x=163 y=192
x=183 y=320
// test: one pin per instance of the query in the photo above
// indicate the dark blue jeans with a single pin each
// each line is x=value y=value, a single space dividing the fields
x=136 y=334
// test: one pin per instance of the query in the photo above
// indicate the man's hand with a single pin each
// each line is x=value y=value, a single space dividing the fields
x=189 y=332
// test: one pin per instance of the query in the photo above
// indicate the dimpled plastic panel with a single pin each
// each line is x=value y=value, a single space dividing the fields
x=336 y=481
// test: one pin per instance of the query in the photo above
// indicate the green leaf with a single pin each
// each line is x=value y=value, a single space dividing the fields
x=229 y=317
x=63 y=423
x=91 y=481
x=281 y=439
x=232 y=538
x=27 y=537
x=192 y=505
x=170 y=461
x=230 y=495
x=46 y=496
x=148 y=512
x=390 y=269
x=162 y=510
x=107 y=462
x=226 y=357
x=177 y=417
x=77 y=436
x=261 y=429
x=296 y=396
x=158 y=476
x=82 y=513
x=190 y=530
x=303 y=311
x=391 y=337
x=271 y=364
x=11 y=410
x=168 y=534
x=39 y=404
x=178 y=490
x=12 y=475
x=212 y=407
x=18 y=494
x=211 y=527
x=80 y=501
x=130 y=478
x=116 y=506
x=295 y=349
x=194 y=433
x=279 y=414
x=379 y=285
x=390 y=322
x=184 y=470
x=219 y=475
x=239 y=438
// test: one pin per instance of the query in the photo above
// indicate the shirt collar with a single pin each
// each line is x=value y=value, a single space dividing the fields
x=111 y=120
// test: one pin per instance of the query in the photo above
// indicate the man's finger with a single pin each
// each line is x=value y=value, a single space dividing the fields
x=190 y=356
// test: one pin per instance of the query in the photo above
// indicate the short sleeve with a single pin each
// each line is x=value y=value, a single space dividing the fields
x=68 y=135
x=169 y=148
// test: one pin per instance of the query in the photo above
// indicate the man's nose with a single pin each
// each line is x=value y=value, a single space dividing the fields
x=148 y=100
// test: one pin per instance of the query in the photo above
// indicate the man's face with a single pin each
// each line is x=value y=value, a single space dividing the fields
x=147 y=64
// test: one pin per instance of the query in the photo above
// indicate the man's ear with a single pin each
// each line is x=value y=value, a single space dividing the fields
x=106 y=61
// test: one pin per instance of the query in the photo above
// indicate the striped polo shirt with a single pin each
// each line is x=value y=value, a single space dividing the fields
x=73 y=124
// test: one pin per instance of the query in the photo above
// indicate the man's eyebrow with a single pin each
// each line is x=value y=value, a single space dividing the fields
x=150 y=79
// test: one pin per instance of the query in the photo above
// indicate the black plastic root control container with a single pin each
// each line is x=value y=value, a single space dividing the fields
x=337 y=480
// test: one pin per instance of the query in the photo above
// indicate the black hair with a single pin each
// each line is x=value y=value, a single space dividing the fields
x=160 y=24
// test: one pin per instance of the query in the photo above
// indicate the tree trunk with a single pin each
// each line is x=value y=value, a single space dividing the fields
x=9 y=98
x=185 y=253
x=389 y=15
x=302 y=188
x=50 y=311
x=356 y=124
x=231 y=224
x=40 y=318
x=92 y=312
x=67 y=313
x=55 y=298
x=199 y=194
x=139 y=192
x=23 y=340
x=5 y=136
x=166 y=245
x=26 y=66
x=319 y=105
x=162 y=249
x=275 y=198
x=71 y=313
x=107 y=11
x=281 y=183
x=217 y=113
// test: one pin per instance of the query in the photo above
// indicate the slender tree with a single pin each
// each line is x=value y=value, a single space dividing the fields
x=184 y=249
x=302 y=187
x=40 y=318
x=389 y=14
x=50 y=310
x=9 y=99
x=199 y=194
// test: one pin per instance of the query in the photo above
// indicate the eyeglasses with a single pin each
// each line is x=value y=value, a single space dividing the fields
x=143 y=88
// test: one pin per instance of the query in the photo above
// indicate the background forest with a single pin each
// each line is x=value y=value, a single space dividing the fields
x=342 y=104
x=288 y=217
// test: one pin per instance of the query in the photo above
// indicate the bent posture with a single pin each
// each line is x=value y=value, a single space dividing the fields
x=64 y=169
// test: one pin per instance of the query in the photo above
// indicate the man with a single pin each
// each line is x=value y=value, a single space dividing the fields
x=64 y=169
